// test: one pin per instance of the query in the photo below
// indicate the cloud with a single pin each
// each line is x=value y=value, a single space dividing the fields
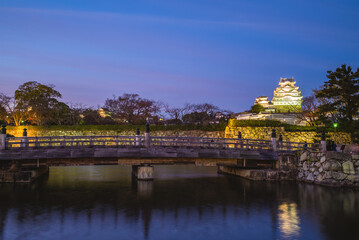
x=133 y=17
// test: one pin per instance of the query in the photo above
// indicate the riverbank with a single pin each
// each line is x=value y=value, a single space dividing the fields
x=335 y=169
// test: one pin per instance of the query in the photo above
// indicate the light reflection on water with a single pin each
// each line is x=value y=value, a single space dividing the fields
x=183 y=202
x=289 y=223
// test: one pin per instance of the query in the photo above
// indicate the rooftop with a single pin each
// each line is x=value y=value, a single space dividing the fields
x=287 y=79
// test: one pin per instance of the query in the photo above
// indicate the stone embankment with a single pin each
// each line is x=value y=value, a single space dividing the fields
x=230 y=132
x=330 y=168
x=289 y=136
x=34 y=132
x=24 y=175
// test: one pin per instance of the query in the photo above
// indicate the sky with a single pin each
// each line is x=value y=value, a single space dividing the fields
x=225 y=52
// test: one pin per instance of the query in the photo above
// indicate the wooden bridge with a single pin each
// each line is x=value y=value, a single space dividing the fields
x=21 y=148
x=17 y=153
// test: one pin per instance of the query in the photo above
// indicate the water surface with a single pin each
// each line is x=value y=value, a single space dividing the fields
x=183 y=202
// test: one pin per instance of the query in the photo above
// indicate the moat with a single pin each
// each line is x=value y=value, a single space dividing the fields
x=183 y=202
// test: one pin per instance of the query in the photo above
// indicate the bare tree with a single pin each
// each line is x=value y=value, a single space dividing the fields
x=14 y=113
x=309 y=112
x=177 y=113
x=208 y=108
x=132 y=107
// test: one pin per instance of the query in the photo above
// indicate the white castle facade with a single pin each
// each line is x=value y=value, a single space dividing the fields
x=285 y=104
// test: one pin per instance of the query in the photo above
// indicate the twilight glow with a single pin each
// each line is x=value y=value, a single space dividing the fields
x=225 y=52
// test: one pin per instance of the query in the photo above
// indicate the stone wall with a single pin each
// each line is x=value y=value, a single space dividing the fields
x=330 y=168
x=265 y=133
x=230 y=132
x=33 y=131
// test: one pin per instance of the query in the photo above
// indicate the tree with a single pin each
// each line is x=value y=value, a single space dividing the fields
x=132 y=108
x=310 y=112
x=60 y=114
x=196 y=117
x=3 y=108
x=37 y=100
x=75 y=113
x=91 y=117
x=339 y=96
x=13 y=112
x=257 y=108
x=174 y=113
x=199 y=113
x=177 y=113
x=207 y=108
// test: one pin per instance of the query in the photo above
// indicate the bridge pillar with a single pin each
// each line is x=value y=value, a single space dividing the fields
x=143 y=172
x=240 y=140
x=138 y=138
x=3 y=138
x=24 y=140
x=147 y=136
x=280 y=142
x=274 y=140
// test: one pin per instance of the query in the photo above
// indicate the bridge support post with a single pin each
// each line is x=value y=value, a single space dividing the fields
x=147 y=136
x=24 y=140
x=143 y=172
x=274 y=140
x=323 y=143
x=240 y=140
x=3 y=137
x=138 y=138
x=280 y=142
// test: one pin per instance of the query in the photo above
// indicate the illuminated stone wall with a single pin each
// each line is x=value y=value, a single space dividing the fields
x=265 y=133
x=230 y=132
x=34 y=131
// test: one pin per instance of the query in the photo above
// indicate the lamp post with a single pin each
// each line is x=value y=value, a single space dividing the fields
x=335 y=125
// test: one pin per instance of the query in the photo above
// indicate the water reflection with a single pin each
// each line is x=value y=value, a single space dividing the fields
x=183 y=202
x=288 y=218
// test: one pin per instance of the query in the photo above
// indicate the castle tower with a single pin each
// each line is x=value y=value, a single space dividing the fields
x=262 y=100
x=287 y=97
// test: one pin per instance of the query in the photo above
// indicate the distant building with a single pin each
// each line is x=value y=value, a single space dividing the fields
x=150 y=120
x=219 y=116
x=103 y=112
x=286 y=102
x=262 y=100
x=287 y=97
x=290 y=118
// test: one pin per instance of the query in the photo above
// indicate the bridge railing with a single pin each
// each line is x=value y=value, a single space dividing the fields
x=78 y=141
x=294 y=146
x=159 y=141
x=211 y=142
x=73 y=141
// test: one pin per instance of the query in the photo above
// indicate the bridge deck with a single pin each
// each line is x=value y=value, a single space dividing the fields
x=27 y=148
x=134 y=152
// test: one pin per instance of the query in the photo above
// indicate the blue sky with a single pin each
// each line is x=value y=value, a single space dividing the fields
x=225 y=52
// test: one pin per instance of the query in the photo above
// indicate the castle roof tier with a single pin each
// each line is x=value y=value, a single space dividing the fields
x=262 y=100
x=287 y=97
